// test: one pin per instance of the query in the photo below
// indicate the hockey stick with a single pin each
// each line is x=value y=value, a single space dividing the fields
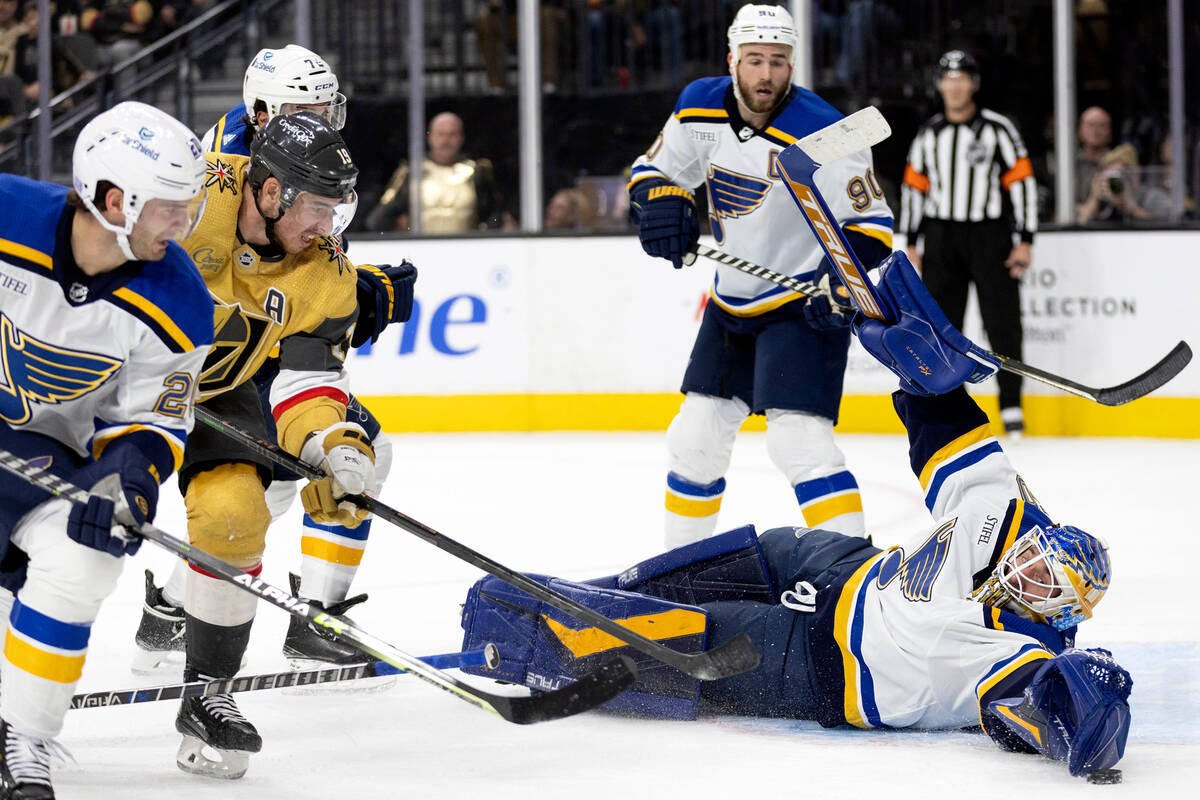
x=797 y=165
x=589 y=691
x=731 y=658
x=487 y=656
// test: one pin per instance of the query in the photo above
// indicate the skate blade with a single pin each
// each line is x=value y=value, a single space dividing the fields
x=156 y=662
x=196 y=757
x=377 y=683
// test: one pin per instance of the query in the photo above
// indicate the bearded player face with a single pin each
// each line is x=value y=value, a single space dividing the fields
x=763 y=74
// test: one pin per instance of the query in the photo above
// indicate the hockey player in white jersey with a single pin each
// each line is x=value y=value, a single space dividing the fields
x=105 y=324
x=971 y=623
x=286 y=81
x=761 y=349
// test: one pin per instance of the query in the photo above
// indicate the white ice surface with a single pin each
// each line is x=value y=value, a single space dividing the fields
x=584 y=505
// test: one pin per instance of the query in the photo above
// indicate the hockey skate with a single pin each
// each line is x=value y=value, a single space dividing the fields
x=25 y=765
x=160 y=635
x=308 y=647
x=217 y=739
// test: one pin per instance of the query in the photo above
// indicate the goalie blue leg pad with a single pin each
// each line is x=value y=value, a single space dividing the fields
x=543 y=648
x=728 y=566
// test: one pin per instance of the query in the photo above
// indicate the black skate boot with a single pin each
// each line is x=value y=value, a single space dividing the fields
x=160 y=635
x=307 y=646
x=213 y=723
x=24 y=766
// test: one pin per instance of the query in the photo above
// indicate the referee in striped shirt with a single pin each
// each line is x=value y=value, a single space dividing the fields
x=969 y=191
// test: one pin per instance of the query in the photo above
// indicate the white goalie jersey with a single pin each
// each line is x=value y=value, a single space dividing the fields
x=908 y=647
x=705 y=141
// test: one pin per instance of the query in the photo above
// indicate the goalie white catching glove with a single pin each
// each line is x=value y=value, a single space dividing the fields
x=343 y=451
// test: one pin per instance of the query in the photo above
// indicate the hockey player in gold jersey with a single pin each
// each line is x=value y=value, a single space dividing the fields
x=268 y=252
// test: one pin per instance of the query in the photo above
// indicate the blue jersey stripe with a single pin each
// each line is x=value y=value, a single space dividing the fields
x=957 y=465
x=47 y=630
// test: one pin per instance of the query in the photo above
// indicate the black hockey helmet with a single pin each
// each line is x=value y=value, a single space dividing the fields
x=305 y=154
x=958 y=61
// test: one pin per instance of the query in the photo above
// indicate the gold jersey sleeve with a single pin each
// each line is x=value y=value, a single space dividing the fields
x=261 y=301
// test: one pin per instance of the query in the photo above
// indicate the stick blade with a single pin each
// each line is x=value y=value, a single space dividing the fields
x=862 y=129
x=598 y=686
x=734 y=657
x=1166 y=369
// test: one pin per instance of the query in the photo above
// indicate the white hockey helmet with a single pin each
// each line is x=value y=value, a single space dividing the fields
x=292 y=79
x=762 y=23
x=148 y=155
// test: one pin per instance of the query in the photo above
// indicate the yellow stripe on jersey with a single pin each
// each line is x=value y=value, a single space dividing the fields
x=841 y=634
x=104 y=440
x=1014 y=528
x=821 y=511
x=881 y=234
x=50 y=666
x=330 y=551
x=667 y=625
x=1008 y=669
x=26 y=253
x=714 y=113
x=949 y=451
x=995 y=615
x=685 y=507
x=756 y=309
x=778 y=134
x=219 y=136
x=156 y=314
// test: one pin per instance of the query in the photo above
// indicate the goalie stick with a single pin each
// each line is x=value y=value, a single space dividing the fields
x=486 y=656
x=731 y=658
x=798 y=164
x=591 y=690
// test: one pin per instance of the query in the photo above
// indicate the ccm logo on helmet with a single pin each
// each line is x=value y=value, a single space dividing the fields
x=323 y=86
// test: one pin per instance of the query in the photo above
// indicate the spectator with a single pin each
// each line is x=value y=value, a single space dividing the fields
x=1095 y=139
x=1155 y=196
x=961 y=163
x=568 y=209
x=120 y=27
x=67 y=67
x=458 y=193
x=496 y=25
x=12 y=88
x=1114 y=190
x=664 y=34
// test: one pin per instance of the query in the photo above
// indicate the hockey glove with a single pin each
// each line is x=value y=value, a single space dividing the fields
x=124 y=495
x=928 y=353
x=385 y=295
x=829 y=310
x=666 y=218
x=345 y=454
x=1075 y=710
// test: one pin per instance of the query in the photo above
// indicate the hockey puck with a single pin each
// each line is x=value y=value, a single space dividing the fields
x=1104 y=776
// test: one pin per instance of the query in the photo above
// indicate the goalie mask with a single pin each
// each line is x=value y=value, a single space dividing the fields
x=1055 y=575
x=312 y=164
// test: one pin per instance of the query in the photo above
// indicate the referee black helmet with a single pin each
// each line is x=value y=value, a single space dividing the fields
x=958 y=61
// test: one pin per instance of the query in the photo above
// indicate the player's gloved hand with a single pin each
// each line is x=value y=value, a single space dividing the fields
x=385 y=295
x=667 y=223
x=344 y=452
x=124 y=494
x=824 y=311
x=928 y=353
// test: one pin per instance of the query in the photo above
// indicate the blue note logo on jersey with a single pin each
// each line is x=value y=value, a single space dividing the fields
x=38 y=372
x=732 y=194
x=919 y=571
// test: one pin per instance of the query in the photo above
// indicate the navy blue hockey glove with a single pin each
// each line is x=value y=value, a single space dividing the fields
x=928 y=353
x=666 y=218
x=831 y=309
x=385 y=295
x=124 y=495
x=1075 y=709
